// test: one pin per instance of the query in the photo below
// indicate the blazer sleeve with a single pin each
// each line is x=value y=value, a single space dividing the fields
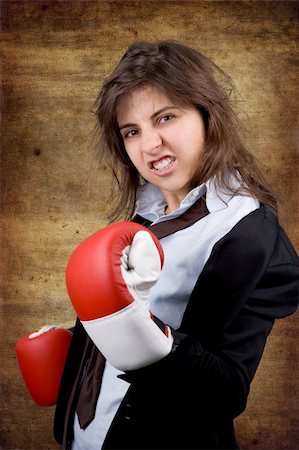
x=250 y=279
x=68 y=381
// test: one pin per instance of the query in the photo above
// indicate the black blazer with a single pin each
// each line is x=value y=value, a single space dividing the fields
x=189 y=399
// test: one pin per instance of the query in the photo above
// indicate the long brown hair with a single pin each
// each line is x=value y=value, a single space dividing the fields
x=186 y=77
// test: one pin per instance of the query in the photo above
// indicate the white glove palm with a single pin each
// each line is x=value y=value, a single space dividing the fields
x=141 y=266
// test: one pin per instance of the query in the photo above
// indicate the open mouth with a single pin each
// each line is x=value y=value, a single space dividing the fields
x=163 y=163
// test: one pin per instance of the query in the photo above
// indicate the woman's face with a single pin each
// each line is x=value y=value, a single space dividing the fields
x=163 y=140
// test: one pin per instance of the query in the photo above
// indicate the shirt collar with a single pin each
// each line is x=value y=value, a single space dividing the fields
x=217 y=198
x=151 y=203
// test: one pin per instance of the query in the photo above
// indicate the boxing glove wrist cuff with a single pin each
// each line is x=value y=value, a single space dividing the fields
x=129 y=339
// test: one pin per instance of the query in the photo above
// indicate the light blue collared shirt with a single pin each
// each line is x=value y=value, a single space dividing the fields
x=187 y=250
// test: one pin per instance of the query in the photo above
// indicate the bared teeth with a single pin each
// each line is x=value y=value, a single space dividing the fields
x=163 y=163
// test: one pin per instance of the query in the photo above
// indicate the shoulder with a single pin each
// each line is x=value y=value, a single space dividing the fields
x=256 y=233
x=255 y=243
x=255 y=263
x=260 y=232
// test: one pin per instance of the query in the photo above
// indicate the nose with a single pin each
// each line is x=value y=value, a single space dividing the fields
x=151 y=141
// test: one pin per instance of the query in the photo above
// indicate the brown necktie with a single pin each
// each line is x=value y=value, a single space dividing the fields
x=90 y=387
x=94 y=367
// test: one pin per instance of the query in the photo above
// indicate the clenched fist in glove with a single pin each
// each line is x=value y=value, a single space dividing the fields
x=41 y=357
x=109 y=277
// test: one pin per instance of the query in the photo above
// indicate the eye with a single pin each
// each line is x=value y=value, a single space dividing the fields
x=130 y=133
x=166 y=118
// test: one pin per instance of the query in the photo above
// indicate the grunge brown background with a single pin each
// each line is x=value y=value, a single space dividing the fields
x=55 y=55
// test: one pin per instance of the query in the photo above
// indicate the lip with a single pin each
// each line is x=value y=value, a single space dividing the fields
x=167 y=170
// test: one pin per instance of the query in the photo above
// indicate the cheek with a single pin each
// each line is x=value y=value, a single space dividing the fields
x=134 y=157
x=129 y=151
x=199 y=143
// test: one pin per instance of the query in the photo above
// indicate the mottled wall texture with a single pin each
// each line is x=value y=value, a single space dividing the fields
x=55 y=55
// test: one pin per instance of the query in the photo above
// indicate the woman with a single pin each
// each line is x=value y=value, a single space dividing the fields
x=170 y=136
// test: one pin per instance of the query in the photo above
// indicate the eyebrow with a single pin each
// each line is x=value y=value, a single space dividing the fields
x=155 y=114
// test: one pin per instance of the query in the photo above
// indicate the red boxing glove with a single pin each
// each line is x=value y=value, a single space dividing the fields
x=41 y=357
x=108 y=277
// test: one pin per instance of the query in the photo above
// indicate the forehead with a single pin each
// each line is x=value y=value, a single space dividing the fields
x=143 y=100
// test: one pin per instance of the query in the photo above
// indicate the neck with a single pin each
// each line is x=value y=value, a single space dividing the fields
x=173 y=201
